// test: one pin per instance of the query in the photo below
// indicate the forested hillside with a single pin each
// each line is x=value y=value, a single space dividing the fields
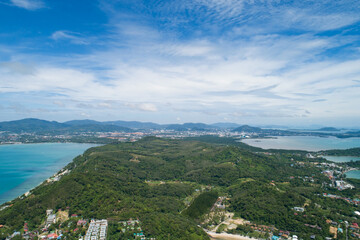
x=156 y=180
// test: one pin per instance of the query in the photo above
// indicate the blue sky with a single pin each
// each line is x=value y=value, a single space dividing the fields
x=251 y=61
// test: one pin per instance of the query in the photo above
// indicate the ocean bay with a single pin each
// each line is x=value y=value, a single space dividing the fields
x=307 y=143
x=24 y=166
x=340 y=159
x=353 y=174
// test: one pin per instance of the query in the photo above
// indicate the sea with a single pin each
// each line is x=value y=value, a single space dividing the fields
x=311 y=143
x=351 y=174
x=24 y=166
x=341 y=159
x=308 y=143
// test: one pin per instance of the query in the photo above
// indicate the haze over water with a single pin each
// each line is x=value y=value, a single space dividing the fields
x=25 y=166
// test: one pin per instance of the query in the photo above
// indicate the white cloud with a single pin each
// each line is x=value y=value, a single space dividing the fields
x=191 y=50
x=222 y=9
x=83 y=114
x=318 y=15
x=17 y=68
x=104 y=105
x=148 y=107
x=308 y=19
x=28 y=4
x=242 y=73
x=71 y=36
x=247 y=74
x=59 y=103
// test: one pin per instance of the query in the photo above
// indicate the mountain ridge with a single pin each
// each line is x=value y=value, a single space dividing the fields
x=38 y=125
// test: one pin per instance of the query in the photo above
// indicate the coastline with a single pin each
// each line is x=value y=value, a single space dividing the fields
x=347 y=177
x=49 y=166
x=351 y=169
x=302 y=143
x=27 y=143
x=53 y=178
x=227 y=236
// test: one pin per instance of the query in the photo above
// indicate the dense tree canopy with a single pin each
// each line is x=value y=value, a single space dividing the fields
x=150 y=180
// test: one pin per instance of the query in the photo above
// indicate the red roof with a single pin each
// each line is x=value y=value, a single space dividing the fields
x=52 y=235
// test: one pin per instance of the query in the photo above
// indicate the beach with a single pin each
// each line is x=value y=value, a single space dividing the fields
x=227 y=236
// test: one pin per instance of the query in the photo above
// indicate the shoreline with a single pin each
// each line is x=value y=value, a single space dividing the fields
x=226 y=236
x=31 y=181
x=301 y=143
x=355 y=169
x=28 y=193
x=27 y=143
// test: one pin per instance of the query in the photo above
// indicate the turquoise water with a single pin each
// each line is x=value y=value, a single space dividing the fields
x=342 y=158
x=308 y=143
x=24 y=166
x=353 y=174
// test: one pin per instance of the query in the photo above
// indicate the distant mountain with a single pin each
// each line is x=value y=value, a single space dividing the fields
x=176 y=127
x=198 y=125
x=328 y=129
x=247 y=128
x=30 y=125
x=124 y=124
x=98 y=128
x=82 y=122
x=33 y=125
x=37 y=125
x=274 y=126
x=226 y=125
x=135 y=124
x=190 y=127
x=353 y=132
x=43 y=126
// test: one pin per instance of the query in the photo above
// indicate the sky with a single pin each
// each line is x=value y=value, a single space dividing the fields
x=259 y=62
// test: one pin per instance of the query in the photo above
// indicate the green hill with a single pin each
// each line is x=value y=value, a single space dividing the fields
x=34 y=125
x=151 y=180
